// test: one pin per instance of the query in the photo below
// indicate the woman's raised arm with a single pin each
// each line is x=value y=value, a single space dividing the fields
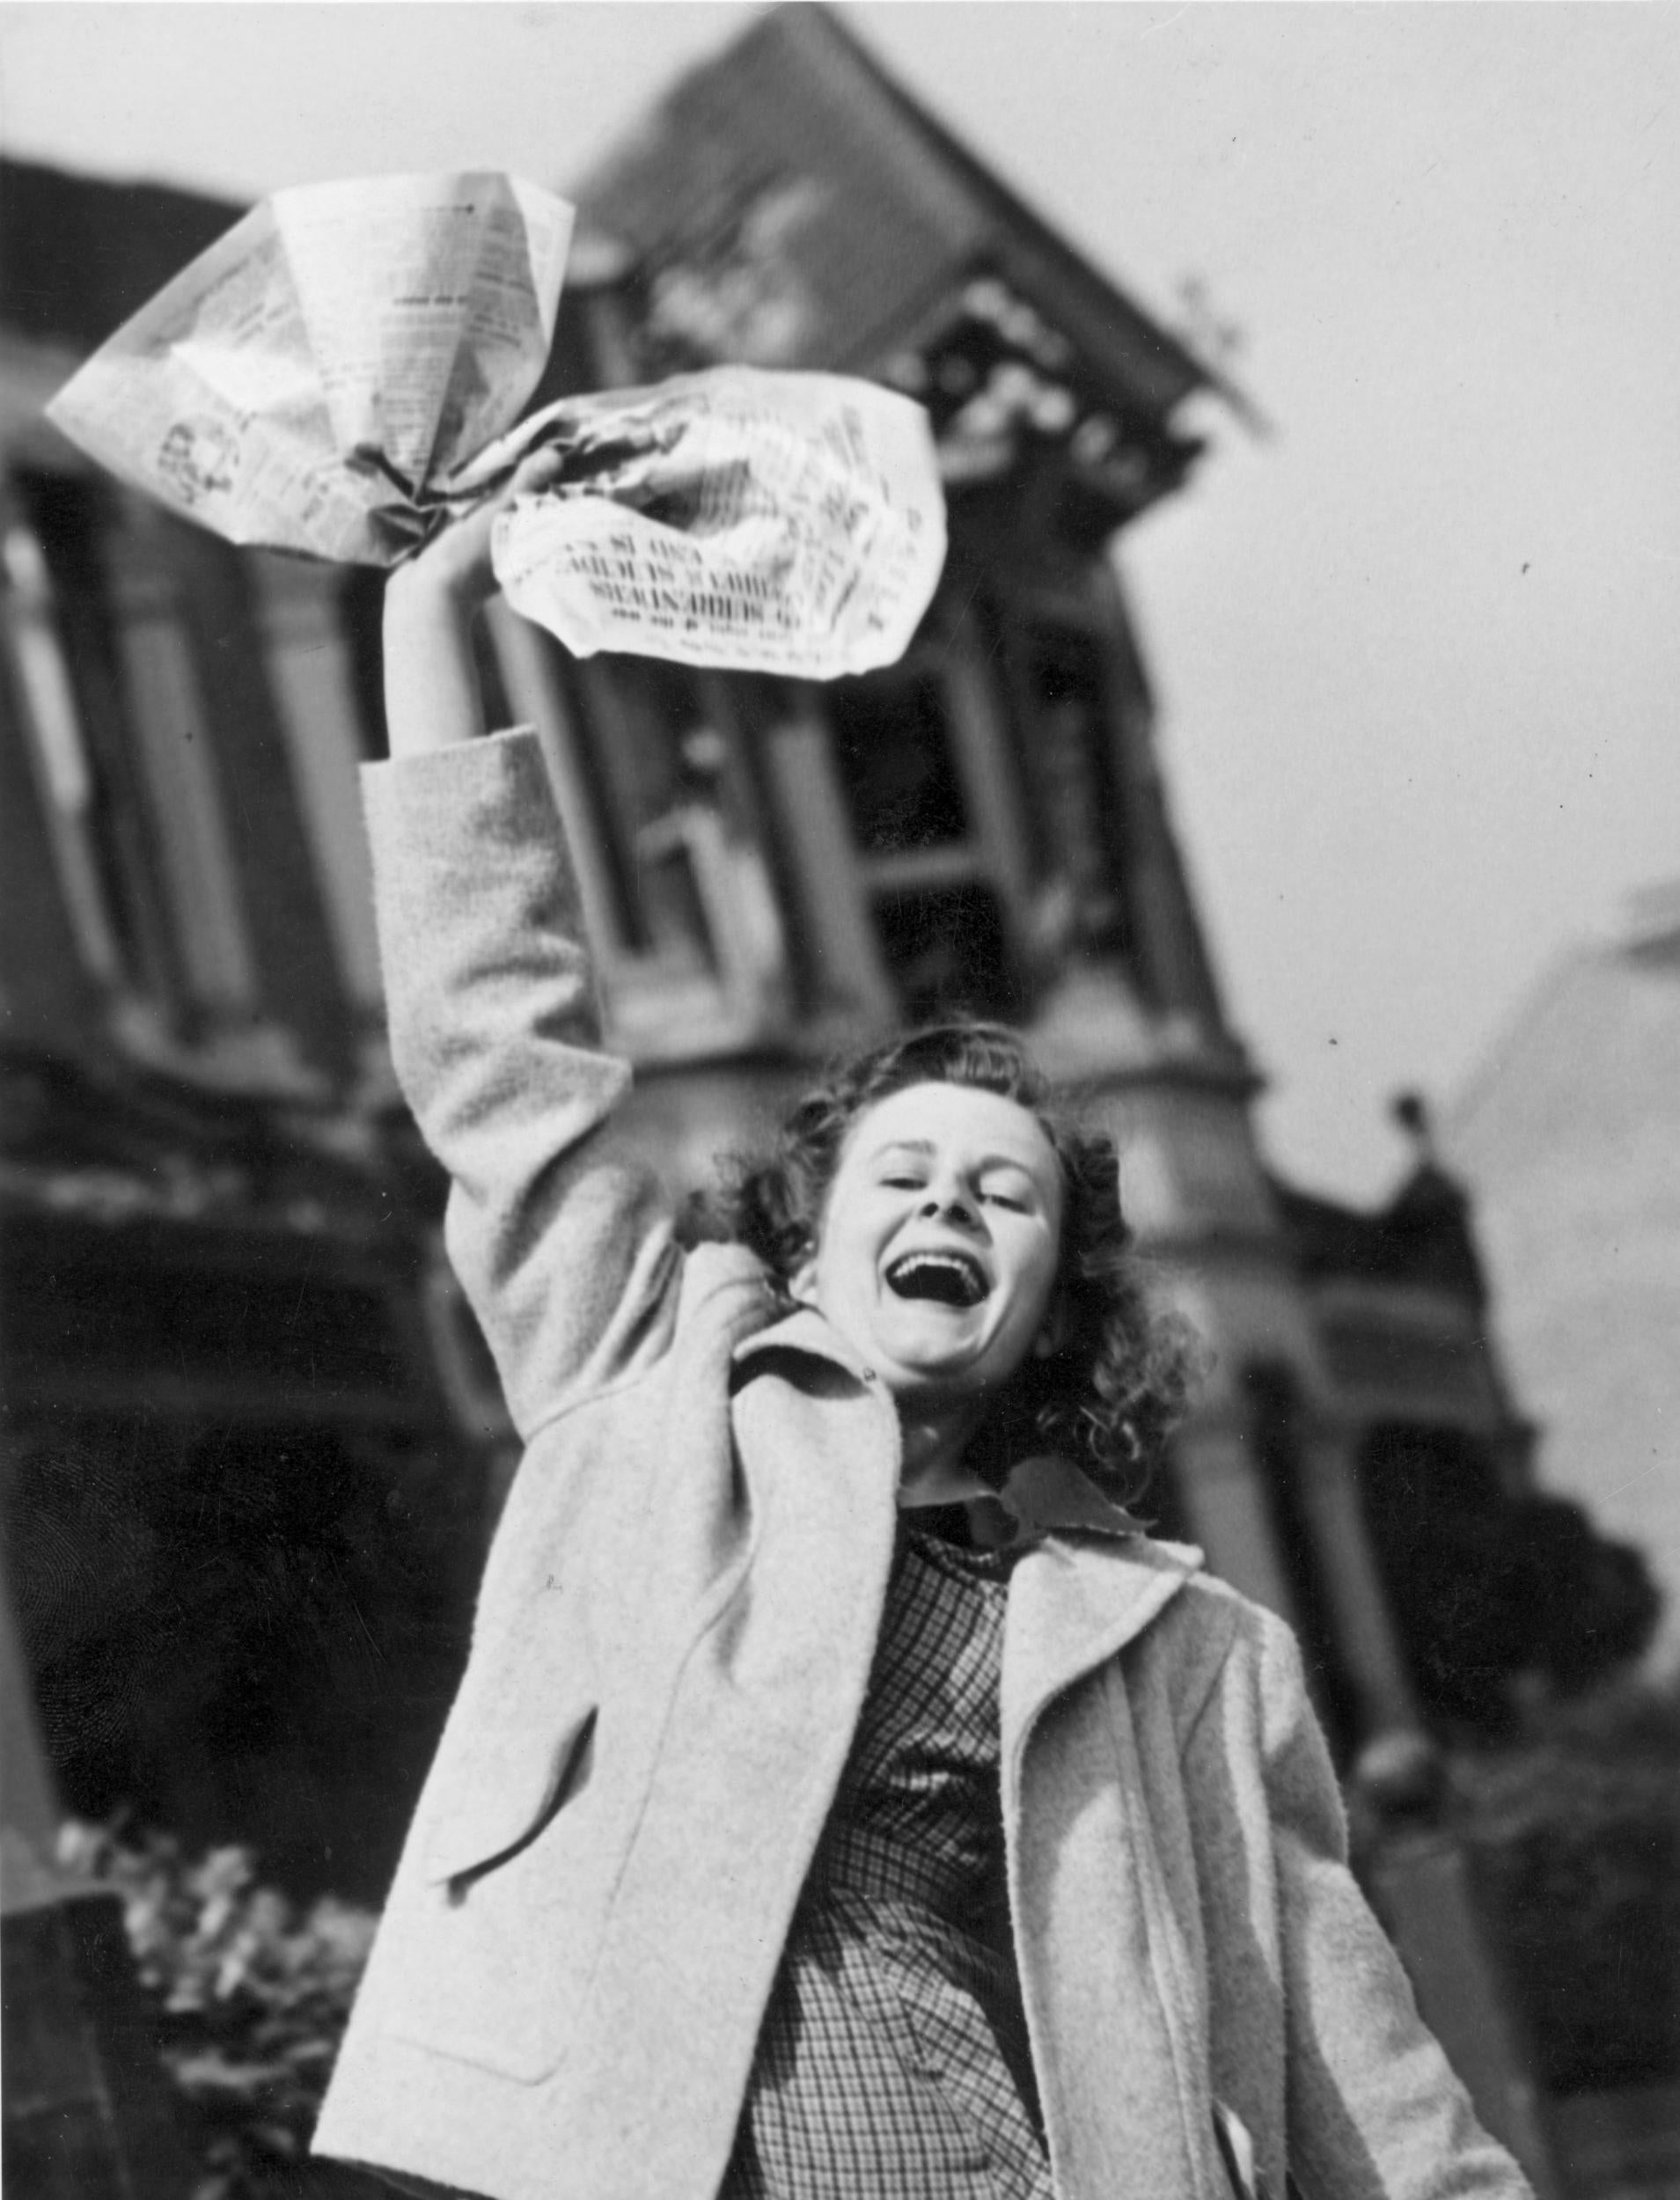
x=563 y=1243
x=431 y=684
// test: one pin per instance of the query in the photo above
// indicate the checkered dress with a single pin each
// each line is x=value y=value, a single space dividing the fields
x=892 y=2062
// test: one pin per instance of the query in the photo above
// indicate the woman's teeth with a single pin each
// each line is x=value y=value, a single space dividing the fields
x=950 y=1277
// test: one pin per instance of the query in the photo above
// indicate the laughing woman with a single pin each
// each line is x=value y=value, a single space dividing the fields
x=845 y=1800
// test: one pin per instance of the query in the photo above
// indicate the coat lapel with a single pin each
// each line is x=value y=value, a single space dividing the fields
x=1075 y=1600
x=1111 y=1995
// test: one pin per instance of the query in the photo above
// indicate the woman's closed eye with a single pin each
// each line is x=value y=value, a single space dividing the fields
x=988 y=1195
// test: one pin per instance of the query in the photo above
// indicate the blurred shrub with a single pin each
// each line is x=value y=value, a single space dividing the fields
x=1574 y=1834
x=251 y=1994
x=1495 y=1597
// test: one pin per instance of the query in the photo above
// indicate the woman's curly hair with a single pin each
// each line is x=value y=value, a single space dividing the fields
x=1116 y=1381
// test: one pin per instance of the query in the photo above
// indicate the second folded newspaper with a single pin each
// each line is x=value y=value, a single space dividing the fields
x=773 y=523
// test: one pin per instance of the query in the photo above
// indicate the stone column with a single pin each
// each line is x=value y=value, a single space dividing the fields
x=1225 y=1508
x=1366 y=1642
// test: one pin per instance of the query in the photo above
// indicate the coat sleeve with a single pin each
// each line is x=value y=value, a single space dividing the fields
x=1373 y=2106
x=562 y=1242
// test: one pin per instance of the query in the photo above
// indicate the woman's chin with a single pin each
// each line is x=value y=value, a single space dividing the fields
x=931 y=1368
x=936 y=1342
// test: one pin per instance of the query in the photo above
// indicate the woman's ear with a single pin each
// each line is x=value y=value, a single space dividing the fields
x=802 y=1282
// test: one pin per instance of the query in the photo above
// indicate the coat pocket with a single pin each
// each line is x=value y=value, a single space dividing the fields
x=482 y=1829
x=499 y=1800
x=495 y=1939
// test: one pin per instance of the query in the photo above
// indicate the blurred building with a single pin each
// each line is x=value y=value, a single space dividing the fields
x=230 y=1330
x=1570 y=1134
x=245 y=1451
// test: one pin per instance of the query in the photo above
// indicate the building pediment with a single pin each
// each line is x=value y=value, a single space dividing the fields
x=788 y=205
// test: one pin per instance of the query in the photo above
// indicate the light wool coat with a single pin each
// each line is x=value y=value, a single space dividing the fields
x=670 y=1650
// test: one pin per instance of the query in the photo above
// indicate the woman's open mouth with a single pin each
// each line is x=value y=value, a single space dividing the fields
x=948 y=1279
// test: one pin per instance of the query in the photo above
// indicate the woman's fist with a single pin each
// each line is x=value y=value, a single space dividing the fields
x=455 y=564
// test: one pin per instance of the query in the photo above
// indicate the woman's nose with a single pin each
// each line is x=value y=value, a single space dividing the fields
x=949 y=1201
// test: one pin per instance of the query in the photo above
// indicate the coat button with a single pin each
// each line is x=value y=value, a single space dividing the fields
x=869 y=1375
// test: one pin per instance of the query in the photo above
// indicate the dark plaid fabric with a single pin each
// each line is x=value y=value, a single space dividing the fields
x=892 y=2062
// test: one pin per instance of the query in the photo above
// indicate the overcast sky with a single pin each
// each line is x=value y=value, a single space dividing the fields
x=1418 y=654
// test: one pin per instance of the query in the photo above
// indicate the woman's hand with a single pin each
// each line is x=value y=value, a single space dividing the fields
x=455 y=564
x=432 y=684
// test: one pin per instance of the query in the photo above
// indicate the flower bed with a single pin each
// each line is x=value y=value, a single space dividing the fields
x=251 y=1993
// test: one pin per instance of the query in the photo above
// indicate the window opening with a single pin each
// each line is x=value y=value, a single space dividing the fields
x=309 y=660
x=892 y=743
x=949 y=952
x=922 y=774
x=62 y=630
x=198 y=872
x=64 y=767
x=654 y=759
x=681 y=901
x=996 y=663
x=1067 y=752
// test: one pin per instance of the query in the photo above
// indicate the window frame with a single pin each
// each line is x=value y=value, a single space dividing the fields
x=659 y=1004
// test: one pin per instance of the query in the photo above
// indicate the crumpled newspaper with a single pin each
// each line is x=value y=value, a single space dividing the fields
x=310 y=382
x=783 y=523
x=342 y=371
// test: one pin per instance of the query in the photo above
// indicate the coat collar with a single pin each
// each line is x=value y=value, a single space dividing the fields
x=1048 y=1495
x=1043 y=1495
x=802 y=1330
